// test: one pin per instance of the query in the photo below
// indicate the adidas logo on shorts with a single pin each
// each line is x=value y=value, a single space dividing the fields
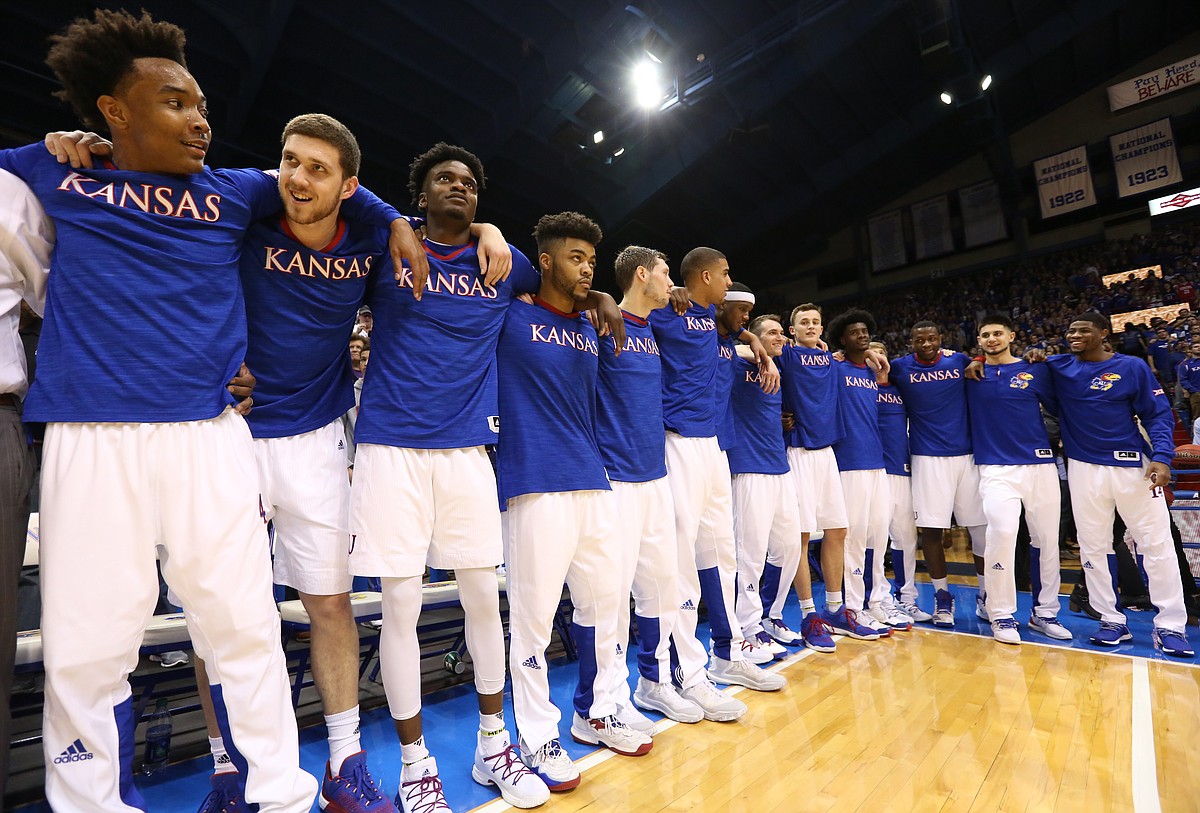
x=997 y=566
x=750 y=587
x=75 y=753
x=856 y=572
x=687 y=605
x=531 y=663
x=1088 y=565
x=225 y=759
x=341 y=445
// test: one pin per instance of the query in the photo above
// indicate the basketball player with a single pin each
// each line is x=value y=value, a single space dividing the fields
x=859 y=454
x=149 y=235
x=893 y=432
x=632 y=446
x=1113 y=468
x=811 y=396
x=766 y=519
x=945 y=481
x=698 y=473
x=423 y=483
x=560 y=508
x=1016 y=469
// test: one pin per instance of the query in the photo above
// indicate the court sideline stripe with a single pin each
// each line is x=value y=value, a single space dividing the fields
x=1143 y=763
x=604 y=754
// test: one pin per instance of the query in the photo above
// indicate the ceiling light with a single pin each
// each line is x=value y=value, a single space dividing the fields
x=619 y=153
x=986 y=83
x=946 y=98
x=646 y=86
x=597 y=136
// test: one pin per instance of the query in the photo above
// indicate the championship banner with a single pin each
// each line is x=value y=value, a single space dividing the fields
x=886 y=233
x=1144 y=158
x=1167 y=79
x=983 y=217
x=931 y=227
x=1064 y=182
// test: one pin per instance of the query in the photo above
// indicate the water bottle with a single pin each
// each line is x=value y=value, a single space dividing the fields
x=158 y=739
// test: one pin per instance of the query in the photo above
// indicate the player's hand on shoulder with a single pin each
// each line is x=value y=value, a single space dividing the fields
x=494 y=254
x=768 y=377
x=974 y=371
x=879 y=363
x=613 y=321
x=528 y=299
x=404 y=246
x=77 y=147
x=680 y=301
x=241 y=387
x=1034 y=355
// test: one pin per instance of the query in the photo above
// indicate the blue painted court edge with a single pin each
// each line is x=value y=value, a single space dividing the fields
x=451 y=717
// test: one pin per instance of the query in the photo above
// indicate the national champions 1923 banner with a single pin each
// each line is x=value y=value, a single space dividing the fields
x=1144 y=158
x=1064 y=182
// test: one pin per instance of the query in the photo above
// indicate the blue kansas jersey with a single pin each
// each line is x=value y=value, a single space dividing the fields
x=810 y=393
x=936 y=399
x=689 y=362
x=629 y=426
x=1006 y=417
x=760 y=448
x=860 y=447
x=726 y=353
x=893 y=431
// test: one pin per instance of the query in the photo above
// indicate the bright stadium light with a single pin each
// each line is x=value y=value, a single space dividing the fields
x=986 y=82
x=946 y=98
x=619 y=153
x=646 y=86
x=597 y=136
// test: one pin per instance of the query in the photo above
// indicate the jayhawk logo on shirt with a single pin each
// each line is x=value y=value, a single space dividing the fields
x=1105 y=382
x=1020 y=381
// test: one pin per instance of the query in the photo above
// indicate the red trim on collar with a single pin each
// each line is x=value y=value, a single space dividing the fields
x=543 y=303
x=447 y=257
x=637 y=320
x=338 y=235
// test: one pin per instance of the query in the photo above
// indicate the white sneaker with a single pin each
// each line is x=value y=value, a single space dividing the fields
x=518 y=785
x=663 y=698
x=764 y=641
x=981 y=608
x=1005 y=631
x=552 y=765
x=890 y=604
x=612 y=734
x=890 y=617
x=781 y=632
x=754 y=653
x=421 y=788
x=744 y=673
x=1049 y=625
x=914 y=612
x=716 y=705
x=868 y=619
x=630 y=716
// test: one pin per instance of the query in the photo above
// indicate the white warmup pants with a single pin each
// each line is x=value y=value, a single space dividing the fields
x=903 y=532
x=868 y=511
x=1004 y=490
x=766 y=524
x=111 y=493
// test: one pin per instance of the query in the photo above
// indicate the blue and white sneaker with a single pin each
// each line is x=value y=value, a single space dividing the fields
x=1173 y=643
x=228 y=794
x=781 y=632
x=518 y=785
x=913 y=611
x=551 y=764
x=943 y=609
x=1006 y=630
x=421 y=789
x=1049 y=625
x=815 y=633
x=764 y=641
x=1110 y=634
x=353 y=790
x=845 y=622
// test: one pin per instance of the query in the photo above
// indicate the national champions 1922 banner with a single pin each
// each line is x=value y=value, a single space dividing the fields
x=1064 y=182
x=1144 y=158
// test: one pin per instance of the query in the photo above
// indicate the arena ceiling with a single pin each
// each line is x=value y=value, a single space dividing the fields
x=778 y=122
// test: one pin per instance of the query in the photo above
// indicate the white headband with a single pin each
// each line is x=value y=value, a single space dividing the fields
x=739 y=296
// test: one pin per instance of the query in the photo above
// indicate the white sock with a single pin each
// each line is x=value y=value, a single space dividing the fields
x=221 y=761
x=807 y=605
x=343 y=737
x=941 y=584
x=491 y=723
x=492 y=736
x=413 y=752
x=833 y=601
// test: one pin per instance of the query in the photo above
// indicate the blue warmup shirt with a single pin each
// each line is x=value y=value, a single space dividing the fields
x=1097 y=402
x=301 y=305
x=760 y=448
x=689 y=363
x=1007 y=428
x=629 y=425
x=145 y=319
x=431 y=382
x=893 y=431
x=726 y=429
x=547 y=366
x=810 y=393
x=935 y=397
x=860 y=448
x=1189 y=375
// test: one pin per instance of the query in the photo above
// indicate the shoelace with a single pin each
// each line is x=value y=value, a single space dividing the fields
x=1164 y=632
x=507 y=764
x=814 y=620
x=612 y=722
x=429 y=794
x=1112 y=625
x=551 y=751
x=943 y=604
x=1005 y=623
x=361 y=783
x=1050 y=621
